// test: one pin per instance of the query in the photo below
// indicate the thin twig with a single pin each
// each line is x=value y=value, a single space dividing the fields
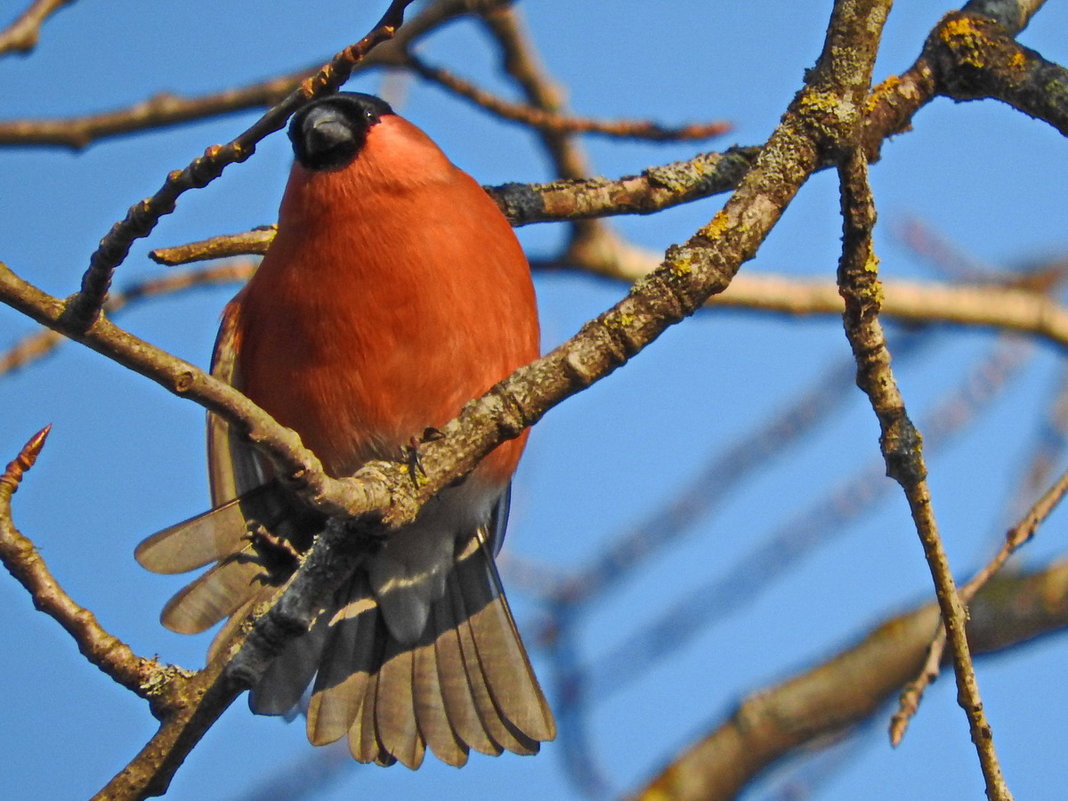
x=84 y=307
x=162 y=110
x=1016 y=537
x=38 y=345
x=542 y=119
x=901 y=442
x=247 y=243
x=146 y=678
x=21 y=35
x=167 y=109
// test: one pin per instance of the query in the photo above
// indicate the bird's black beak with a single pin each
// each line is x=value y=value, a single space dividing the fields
x=328 y=134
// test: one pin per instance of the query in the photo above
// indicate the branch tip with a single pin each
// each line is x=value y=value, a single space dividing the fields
x=26 y=458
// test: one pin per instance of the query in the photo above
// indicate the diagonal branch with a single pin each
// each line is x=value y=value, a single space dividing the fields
x=901 y=442
x=555 y=122
x=38 y=345
x=1015 y=538
x=144 y=677
x=775 y=722
x=85 y=306
x=21 y=35
x=167 y=109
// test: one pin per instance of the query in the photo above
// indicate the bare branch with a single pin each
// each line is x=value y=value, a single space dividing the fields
x=159 y=111
x=166 y=109
x=21 y=35
x=1016 y=537
x=85 y=306
x=774 y=722
x=1015 y=307
x=561 y=123
x=38 y=345
x=902 y=444
x=246 y=243
x=974 y=58
x=144 y=677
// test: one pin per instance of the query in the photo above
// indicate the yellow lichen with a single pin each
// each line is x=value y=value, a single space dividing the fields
x=884 y=88
x=1018 y=61
x=681 y=265
x=716 y=226
x=965 y=39
x=818 y=101
x=619 y=319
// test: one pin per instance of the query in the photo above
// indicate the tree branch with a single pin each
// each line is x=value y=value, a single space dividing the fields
x=38 y=345
x=21 y=35
x=1015 y=538
x=775 y=722
x=166 y=109
x=902 y=444
x=146 y=678
x=82 y=308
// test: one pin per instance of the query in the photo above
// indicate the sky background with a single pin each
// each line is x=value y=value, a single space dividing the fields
x=126 y=458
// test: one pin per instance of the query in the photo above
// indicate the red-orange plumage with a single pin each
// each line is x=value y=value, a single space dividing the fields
x=399 y=264
x=393 y=293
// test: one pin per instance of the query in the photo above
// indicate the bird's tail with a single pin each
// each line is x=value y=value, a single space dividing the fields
x=466 y=683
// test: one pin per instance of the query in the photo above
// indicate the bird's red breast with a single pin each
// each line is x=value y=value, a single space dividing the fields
x=394 y=292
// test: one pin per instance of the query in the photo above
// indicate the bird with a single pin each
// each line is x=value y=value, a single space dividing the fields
x=394 y=291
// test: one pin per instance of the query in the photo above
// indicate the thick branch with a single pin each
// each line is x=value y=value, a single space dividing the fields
x=975 y=58
x=775 y=722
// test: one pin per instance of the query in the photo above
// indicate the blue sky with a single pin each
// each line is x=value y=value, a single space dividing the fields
x=125 y=458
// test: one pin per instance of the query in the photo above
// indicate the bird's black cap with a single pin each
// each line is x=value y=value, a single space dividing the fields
x=328 y=133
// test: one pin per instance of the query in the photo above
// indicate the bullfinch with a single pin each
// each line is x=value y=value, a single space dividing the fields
x=394 y=292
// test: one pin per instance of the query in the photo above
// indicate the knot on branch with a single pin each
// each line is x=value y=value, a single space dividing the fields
x=902 y=443
x=519 y=202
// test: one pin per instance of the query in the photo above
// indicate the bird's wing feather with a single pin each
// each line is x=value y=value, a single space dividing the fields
x=214 y=595
x=234 y=467
x=210 y=536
